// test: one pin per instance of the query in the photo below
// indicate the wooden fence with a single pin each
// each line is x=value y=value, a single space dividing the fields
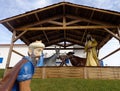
x=78 y=72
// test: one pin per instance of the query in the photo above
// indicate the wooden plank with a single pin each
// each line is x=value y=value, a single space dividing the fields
x=113 y=34
x=65 y=28
x=78 y=72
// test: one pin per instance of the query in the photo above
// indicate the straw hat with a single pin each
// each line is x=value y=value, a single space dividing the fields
x=37 y=44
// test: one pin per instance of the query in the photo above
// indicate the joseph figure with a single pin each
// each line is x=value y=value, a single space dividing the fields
x=90 y=49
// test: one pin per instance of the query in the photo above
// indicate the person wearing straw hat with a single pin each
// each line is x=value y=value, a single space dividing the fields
x=90 y=49
x=26 y=72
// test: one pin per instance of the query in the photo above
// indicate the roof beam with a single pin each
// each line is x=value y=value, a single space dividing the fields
x=41 y=22
x=65 y=28
x=46 y=36
x=17 y=37
x=87 y=20
x=74 y=41
x=37 y=17
x=10 y=25
x=74 y=37
x=38 y=35
x=55 y=22
x=113 y=34
x=83 y=37
x=54 y=41
x=73 y=22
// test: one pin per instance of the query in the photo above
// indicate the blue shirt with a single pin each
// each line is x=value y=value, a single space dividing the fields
x=26 y=72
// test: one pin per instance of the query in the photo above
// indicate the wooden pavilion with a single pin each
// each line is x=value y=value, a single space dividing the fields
x=63 y=22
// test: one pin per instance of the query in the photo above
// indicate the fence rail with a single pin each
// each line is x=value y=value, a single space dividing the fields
x=78 y=72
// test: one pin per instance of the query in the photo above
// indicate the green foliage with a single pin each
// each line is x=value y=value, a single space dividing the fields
x=1 y=73
x=74 y=84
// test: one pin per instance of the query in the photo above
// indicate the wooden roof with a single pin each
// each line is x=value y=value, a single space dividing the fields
x=65 y=22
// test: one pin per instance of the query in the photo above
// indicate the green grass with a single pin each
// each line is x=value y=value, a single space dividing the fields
x=74 y=84
x=1 y=73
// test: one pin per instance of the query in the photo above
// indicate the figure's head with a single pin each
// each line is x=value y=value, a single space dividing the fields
x=36 y=48
x=70 y=54
x=89 y=37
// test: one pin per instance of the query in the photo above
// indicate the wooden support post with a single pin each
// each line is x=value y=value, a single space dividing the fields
x=15 y=39
x=43 y=73
x=85 y=73
x=64 y=25
x=10 y=50
x=118 y=32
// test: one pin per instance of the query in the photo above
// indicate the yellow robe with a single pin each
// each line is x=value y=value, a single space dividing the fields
x=90 y=48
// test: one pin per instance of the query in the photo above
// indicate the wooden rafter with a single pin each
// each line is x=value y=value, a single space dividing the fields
x=73 y=22
x=10 y=25
x=54 y=41
x=37 y=17
x=17 y=37
x=113 y=34
x=87 y=20
x=74 y=41
x=55 y=22
x=46 y=36
x=40 y=22
x=65 y=28
x=83 y=37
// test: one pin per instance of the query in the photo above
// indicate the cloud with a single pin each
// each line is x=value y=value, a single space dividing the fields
x=108 y=4
x=10 y=8
x=102 y=4
x=32 y=4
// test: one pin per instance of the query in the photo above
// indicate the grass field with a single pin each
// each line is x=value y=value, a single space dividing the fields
x=1 y=73
x=74 y=84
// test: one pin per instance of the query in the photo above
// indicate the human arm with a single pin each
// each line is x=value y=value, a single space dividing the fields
x=25 y=75
x=90 y=44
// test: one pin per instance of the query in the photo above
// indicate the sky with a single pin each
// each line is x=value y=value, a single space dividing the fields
x=11 y=8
